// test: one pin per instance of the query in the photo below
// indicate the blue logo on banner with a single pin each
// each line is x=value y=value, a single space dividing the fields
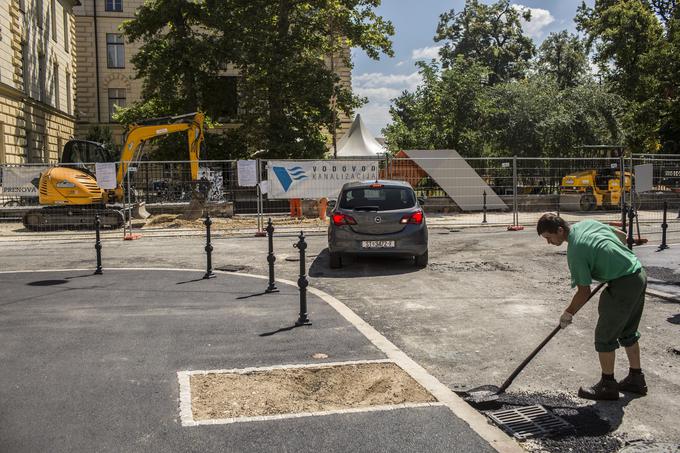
x=288 y=175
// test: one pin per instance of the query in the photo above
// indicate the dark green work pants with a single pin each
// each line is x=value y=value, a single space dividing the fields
x=620 y=310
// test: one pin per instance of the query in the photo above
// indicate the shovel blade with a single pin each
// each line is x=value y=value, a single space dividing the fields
x=196 y=207
x=139 y=211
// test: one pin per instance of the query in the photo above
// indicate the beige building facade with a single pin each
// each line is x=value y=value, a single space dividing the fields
x=106 y=76
x=37 y=79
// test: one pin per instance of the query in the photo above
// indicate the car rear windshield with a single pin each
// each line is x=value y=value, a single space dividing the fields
x=378 y=199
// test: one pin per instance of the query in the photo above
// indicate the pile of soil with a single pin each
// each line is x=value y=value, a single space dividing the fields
x=226 y=223
x=295 y=390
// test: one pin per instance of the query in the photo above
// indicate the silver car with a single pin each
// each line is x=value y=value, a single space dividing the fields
x=377 y=218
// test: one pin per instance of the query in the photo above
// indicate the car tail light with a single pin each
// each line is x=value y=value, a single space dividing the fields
x=415 y=218
x=343 y=219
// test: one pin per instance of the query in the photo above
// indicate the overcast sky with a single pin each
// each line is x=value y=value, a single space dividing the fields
x=415 y=23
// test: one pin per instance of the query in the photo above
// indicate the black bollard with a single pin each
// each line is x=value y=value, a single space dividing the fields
x=271 y=288
x=303 y=320
x=631 y=216
x=208 y=248
x=484 y=206
x=98 y=244
x=664 y=227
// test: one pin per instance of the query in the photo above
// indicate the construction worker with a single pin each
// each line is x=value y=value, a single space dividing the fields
x=597 y=251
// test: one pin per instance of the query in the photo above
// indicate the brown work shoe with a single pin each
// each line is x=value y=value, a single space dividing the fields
x=634 y=383
x=603 y=390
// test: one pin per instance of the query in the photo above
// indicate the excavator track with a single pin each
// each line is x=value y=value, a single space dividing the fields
x=72 y=217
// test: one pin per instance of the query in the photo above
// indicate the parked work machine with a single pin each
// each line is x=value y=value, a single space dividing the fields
x=69 y=191
x=596 y=188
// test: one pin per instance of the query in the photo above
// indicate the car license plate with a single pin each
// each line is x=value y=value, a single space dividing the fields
x=377 y=244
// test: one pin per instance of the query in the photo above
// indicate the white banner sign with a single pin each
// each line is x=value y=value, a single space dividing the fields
x=106 y=175
x=21 y=181
x=316 y=179
x=643 y=178
x=247 y=173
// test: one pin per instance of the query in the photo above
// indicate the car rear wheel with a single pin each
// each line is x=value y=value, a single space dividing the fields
x=421 y=260
x=336 y=260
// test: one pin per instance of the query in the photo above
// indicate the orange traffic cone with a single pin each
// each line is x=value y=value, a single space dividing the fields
x=295 y=207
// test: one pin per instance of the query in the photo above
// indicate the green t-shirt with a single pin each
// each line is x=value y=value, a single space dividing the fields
x=595 y=252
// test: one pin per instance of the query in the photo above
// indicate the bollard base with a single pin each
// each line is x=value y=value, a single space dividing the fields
x=209 y=275
x=98 y=272
x=662 y=247
x=301 y=322
x=271 y=290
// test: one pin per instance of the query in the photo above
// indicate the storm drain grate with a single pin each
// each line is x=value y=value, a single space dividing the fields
x=529 y=421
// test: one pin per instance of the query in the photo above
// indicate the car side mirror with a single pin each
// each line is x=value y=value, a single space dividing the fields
x=422 y=200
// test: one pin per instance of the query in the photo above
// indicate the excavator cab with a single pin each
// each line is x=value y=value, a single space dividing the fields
x=84 y=151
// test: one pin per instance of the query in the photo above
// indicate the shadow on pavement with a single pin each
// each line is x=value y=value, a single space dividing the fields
x=361 y=266
x=47 y=282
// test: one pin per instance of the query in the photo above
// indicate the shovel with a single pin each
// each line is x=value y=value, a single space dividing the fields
x=488 y=394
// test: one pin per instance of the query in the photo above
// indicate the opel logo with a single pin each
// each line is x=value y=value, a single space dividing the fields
x=378 y=219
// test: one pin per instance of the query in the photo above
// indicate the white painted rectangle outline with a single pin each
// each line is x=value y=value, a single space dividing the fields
x=186 y=414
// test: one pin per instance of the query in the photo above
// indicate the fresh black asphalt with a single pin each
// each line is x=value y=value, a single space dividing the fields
x=89 y=364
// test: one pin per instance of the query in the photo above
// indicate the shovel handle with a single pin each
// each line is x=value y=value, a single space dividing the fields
x=521 y=366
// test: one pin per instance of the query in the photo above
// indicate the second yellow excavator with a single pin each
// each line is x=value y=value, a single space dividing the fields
x=69 y=191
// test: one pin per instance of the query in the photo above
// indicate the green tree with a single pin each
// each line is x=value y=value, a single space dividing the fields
x=563 y=56
x=488 y=34
x=288 y=94
x=287 y=80
x=445 y=111
x=627 y=37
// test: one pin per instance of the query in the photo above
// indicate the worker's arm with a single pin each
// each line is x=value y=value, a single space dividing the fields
x=579 y=299
x=620 y=234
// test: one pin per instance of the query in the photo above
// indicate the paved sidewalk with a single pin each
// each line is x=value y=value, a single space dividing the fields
x=663 y=270
x=90 y=363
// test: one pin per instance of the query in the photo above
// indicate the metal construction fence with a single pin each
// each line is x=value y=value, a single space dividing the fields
x=457 y=191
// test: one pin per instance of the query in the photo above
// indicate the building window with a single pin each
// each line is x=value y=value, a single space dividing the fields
x=55 y=88
x=223 y=101
x=116 y=98
x=114 y=5
x=26 y=69
x=39 y=12
x=115 y=50
x=68 y=93
x=53 y=19
x=42 y=76
x=67 y=29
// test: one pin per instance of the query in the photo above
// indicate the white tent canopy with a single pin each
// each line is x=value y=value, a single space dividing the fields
x=358 y=142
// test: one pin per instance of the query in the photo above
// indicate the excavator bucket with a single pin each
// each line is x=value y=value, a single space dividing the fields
x=139 y=211
x=196 y=206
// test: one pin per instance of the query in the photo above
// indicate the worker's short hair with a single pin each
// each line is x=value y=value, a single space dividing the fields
x=550 y=222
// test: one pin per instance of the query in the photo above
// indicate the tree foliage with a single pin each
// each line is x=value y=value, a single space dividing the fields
x=563 y=56
x=487 y=34
x=280 y=49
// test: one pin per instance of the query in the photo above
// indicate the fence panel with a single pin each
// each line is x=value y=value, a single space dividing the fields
x=462 y=192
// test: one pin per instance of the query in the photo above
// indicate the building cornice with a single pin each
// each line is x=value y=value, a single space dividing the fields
x=16 y=95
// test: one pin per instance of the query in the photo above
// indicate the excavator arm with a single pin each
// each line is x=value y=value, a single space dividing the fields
x=138 y=133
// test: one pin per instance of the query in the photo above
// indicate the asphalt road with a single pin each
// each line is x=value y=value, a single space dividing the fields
x=485 y=301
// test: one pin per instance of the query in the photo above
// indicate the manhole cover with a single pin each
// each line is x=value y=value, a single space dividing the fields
x=529 y=421
x=650 y=447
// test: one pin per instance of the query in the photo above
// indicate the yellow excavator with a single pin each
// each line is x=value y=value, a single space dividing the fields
x=69 y=191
